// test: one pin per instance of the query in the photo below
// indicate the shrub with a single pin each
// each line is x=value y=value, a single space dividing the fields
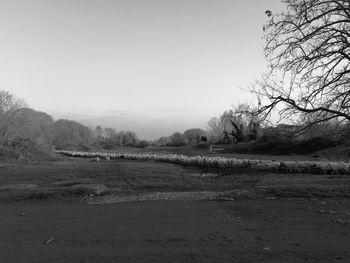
x=202 y=145
x=142 y=144
x=22 y=149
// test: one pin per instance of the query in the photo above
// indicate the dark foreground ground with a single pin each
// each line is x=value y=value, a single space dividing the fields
x=156 y=212
x=174 y=231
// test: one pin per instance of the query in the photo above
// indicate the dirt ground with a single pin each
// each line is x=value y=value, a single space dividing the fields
x=157 y=212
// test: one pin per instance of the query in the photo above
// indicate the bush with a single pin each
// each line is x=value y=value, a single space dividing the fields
x=21 y=149
x=142 y=144
x=314 y=144
x=107 y=144
x=287 y=146
x=72 y=147
x=202 y=145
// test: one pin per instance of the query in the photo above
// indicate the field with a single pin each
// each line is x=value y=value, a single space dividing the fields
x=74 y=210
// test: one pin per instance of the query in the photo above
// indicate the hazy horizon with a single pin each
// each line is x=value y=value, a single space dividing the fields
x=146 y=127
x=156 y=58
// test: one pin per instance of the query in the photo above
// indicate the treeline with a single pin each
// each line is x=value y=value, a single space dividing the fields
x=239 y=130
x=20 y=125
x=109 y=138
x=25 y=132
x=191 y=137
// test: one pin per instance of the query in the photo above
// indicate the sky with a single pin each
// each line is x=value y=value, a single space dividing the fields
x=157 y=58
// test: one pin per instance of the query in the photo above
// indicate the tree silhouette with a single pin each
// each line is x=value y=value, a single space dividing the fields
x=9 y=108
x=308 y=50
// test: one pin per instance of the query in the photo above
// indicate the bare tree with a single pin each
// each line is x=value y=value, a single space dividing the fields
x=109 y=133
x=308 y=49
x=194 y=135
x=235 y=125
x=216 y=129
x=225 y=121
x=232 y=126
x=9 y=107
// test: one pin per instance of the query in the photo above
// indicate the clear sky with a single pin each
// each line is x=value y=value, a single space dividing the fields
x=154 y=57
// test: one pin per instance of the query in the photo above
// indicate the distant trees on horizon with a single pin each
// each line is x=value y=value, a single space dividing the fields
x=109 y=138
x=19 y=121
x=238 y=124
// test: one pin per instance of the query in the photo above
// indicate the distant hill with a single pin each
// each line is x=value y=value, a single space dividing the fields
x=144 y=126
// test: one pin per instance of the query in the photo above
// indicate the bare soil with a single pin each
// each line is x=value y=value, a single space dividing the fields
x=157 y=212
